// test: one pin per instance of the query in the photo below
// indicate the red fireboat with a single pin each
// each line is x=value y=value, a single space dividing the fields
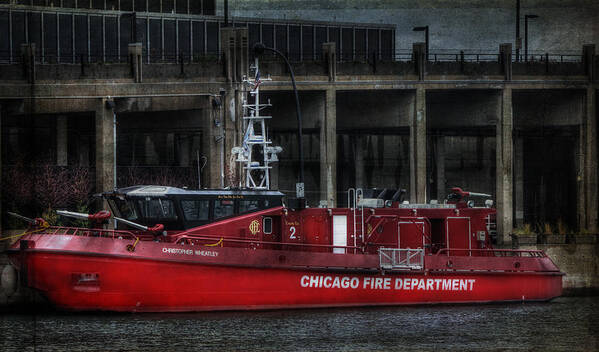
x=176 y=250
x=242 y=249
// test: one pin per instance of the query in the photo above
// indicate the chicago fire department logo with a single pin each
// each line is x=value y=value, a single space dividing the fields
x=254 y=227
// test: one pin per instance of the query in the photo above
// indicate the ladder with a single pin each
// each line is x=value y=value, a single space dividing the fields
x=353 y=197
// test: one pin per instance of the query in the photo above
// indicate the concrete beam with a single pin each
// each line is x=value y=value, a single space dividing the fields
x=104 y=146
x=418 y=148
x=504 y=171
x=328 y=149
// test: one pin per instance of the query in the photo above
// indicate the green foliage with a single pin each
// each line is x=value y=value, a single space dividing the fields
x=524 y=230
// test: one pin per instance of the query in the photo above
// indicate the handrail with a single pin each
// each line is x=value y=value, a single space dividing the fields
x=519 y=252
x=237 y=240
x=80 y=231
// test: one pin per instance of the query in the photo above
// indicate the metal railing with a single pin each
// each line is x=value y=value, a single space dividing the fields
x=401 y=258
x=493 y=252
x=163 y=56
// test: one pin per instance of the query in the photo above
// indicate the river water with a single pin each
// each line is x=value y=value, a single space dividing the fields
x=566 y=323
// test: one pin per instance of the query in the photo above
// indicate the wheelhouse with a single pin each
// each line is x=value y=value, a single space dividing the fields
x=181 y=209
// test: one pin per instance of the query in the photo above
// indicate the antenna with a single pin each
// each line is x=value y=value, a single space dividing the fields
x=256 y=152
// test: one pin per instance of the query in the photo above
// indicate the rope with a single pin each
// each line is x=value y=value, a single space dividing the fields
x=44 y=226
x=219 y=243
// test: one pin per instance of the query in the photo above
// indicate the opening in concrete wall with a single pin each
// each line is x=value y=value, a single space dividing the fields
x=547 y=157
x=155 y=148
x=282 y=129
x=48 y=162
x=373 y=140
x=461 y=127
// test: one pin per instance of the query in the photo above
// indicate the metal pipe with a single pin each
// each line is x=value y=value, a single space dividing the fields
x=518 y=40
x=132 y=224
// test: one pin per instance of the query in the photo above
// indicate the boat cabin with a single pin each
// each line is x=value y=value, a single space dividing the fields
x=181 y=209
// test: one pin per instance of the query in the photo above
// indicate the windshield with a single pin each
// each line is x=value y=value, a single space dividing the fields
x=124 y=209
x=156 y=208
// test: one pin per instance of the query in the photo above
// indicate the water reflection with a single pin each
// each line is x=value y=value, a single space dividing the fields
x=569 y=323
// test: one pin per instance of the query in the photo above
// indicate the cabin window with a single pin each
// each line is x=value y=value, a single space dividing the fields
x=267 y=225
x=195 y=210
x=223 y=208
x=157 y=208
x=125 y=209
x=248 y=205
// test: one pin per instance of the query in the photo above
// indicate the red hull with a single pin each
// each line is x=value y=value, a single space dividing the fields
x=75 y=273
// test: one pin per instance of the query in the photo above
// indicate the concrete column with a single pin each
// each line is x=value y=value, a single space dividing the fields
x=210 y=146
x=588 y=60
x=185 y=154
x=519 y=180
x=504 y=171
x=136 y=61
x=1 y=174
x=232 y=101
x=151 y=154
x=440 y=169
x=328 y=149
x=505 y=55
x=274 y=176
x=329 y=52
x=590 y=164
x=419 y=58
x=28 y=59
x=104 y=146
x=84 y=151
x=61 y=141
x=359 y=161
x=418 y=148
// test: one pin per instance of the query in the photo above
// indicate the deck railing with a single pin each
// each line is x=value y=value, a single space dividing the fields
x=401 y=258
x=493 y=252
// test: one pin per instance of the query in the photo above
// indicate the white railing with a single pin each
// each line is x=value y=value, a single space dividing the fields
x=401 y=259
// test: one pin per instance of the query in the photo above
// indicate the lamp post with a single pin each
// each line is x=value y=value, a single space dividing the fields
x=526 y=17
x=259 y=48
x=425 y=29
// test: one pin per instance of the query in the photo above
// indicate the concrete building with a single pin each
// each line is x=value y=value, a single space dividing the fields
x=162 y=80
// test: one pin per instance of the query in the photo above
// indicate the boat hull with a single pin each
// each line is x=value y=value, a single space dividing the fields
x=80 y=280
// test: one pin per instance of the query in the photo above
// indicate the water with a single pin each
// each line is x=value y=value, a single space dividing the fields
x=567 y=323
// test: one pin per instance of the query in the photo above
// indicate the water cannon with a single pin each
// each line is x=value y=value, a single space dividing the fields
x=37 y=222
x=98 y=218
x=457 y=195
x=156 y=229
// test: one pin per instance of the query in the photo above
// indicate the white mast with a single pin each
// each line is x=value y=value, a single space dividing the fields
x=255 y=153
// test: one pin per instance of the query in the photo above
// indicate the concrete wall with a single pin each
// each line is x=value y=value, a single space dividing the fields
x=580 y=263
x=462 y=24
